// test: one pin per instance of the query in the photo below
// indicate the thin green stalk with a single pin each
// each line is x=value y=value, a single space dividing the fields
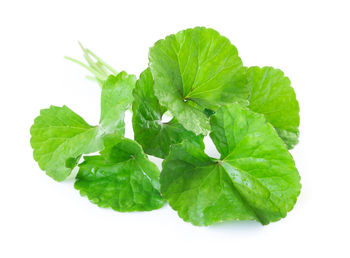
x=99 y=68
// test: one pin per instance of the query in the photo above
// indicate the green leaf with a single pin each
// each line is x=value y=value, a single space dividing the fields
x=59 y=138
x=116 y=97
x=272 y=95
x=255 y=178
x=196 y=69
x=149 y=130
x=121 y=178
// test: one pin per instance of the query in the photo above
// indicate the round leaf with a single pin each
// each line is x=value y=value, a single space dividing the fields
x=196 y=69
x=255 y=178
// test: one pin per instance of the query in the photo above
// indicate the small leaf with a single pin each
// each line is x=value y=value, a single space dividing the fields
x=121 y=178
x=272 y=95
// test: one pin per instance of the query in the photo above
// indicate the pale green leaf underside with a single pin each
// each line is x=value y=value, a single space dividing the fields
x=200 y=66
x=121 y=178
x=154 y=136
x=255 y=178
x=272 y=95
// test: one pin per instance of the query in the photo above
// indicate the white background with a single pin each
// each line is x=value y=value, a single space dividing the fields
x=308 y=40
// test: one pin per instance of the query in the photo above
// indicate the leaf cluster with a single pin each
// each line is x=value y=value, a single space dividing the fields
x=197 y=79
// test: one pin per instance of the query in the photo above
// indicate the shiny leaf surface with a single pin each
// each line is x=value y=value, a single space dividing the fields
x=121 y=178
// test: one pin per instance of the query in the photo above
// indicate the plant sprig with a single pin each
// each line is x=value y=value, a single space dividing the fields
x=196 y=75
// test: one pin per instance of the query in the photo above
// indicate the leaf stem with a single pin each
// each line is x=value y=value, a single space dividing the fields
x=99 y=68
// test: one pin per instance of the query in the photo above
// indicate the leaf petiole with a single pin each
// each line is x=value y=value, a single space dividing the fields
x=99 y=68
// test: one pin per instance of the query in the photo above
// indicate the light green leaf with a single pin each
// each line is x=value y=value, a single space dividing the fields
x=272 y=95
x=59 y=138
x=121 y=178
x=255 y=178
x=196 y=69
x=149 y=130
x=116 y=97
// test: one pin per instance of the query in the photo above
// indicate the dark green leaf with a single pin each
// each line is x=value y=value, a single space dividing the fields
x=121 y=178
x=149 y=130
